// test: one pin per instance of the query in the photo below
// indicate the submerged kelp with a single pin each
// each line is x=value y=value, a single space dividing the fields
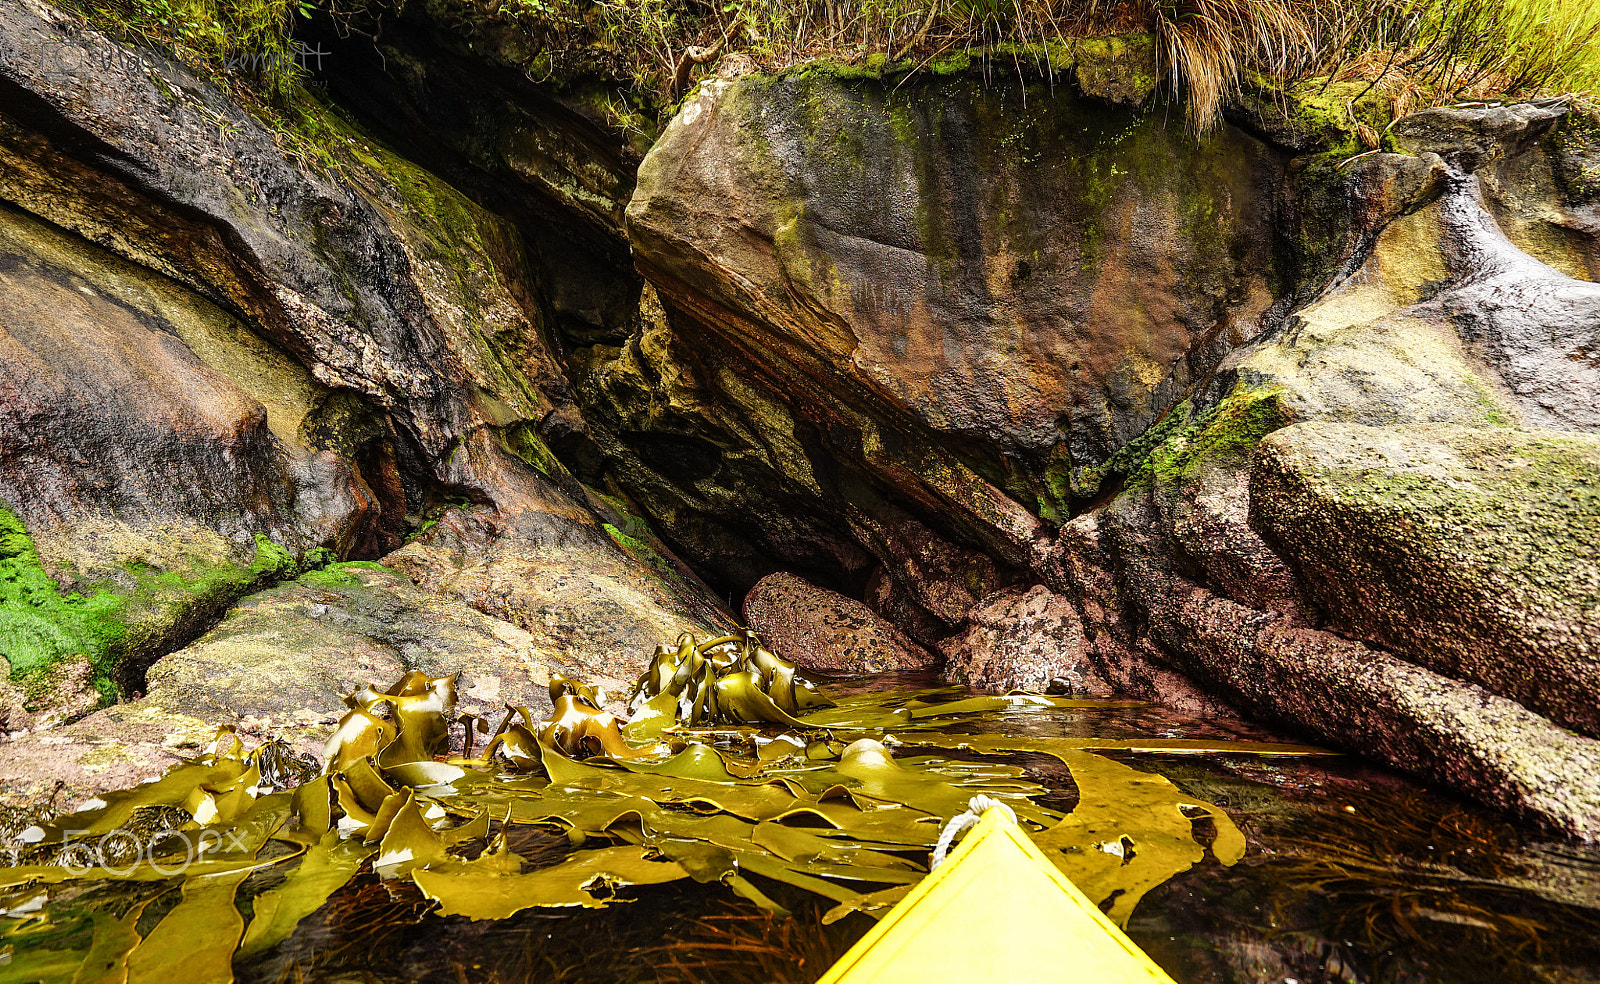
x=1355 y=876
x=734 y=770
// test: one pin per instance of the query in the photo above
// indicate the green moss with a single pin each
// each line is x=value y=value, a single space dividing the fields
x=1128 y=459
x=952 y=64
x=39 y=626
x=1122 y=69
x=1054 y=498
x=42 y=628
x=1182 y=442
x=522 y=439
x=340 y=575
x=1225 y=434
x=827 y=68
x=1330 y=113
x=640 y=550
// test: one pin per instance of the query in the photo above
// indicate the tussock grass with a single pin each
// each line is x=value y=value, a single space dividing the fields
x=1418 y=52
x=1413 y=52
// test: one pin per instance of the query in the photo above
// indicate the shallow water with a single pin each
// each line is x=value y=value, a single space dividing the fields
x=1351 y=874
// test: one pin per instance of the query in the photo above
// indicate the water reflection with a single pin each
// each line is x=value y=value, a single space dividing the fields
x=1351 y=875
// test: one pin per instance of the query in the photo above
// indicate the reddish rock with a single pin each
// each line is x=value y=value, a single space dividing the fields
x=823 y=630
x=1079 y=566
x=1025 y=639
x=886 y=596
x=943 y=579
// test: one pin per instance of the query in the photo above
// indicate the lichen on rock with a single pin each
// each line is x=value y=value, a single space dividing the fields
x=1469 y=550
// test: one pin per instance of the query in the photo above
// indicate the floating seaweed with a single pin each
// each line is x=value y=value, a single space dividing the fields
x=732 y=770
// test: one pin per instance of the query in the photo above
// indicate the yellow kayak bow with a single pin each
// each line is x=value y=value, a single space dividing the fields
x=995 y=910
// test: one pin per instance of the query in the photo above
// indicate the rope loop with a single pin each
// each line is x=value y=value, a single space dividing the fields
x=961 y=821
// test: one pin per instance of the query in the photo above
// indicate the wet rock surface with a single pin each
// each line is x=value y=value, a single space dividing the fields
x=822 y=630
x=1471 y=551
x=313 y=348
x=589 y=613
x=289 y=655
x=1026 y=639
x=279 y=665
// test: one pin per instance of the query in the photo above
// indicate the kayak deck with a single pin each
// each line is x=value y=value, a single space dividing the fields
x=995 y=910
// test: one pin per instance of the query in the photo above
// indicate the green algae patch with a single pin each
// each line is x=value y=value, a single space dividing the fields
x=341 y=575
x=40 y=627
x=1183 y=442
x=1225 y=434
x=142 y=597
x=1469 y=549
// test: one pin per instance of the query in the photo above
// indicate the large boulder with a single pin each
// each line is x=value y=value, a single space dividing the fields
x=1025 y=639
x=823 y=630
x=1008 y=271
x=1470 y=551
x=216 y=330
x=593 y=603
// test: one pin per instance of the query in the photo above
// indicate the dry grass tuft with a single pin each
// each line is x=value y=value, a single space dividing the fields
x=1414 y=52
x=1417 y=52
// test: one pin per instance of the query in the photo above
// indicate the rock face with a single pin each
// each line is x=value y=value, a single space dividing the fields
x=311 y=361
x=287 y=657
x=113 y=412
x=1201 y=575
x=1471 y=551
x=1026 y=640
x=822 y=630
x=1241 y=423
x=1447 y=628
x=1007 y=273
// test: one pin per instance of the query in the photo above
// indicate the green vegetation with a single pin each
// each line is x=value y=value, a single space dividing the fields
x=1411 y=53
x=41 y=628
x=1225 y=433
x=246 y=41
x=340 y=576
x=652 y=558
x=1181 y=443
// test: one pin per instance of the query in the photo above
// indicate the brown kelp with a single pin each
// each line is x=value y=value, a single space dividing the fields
x=733 y=770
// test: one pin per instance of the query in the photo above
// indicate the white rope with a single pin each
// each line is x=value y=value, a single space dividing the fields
x=961 y=821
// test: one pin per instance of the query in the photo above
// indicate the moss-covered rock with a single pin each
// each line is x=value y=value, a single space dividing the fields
x=1469 y=550
x=1118 y=69
x=95 y=602
x=1320 y=115
x=285 y=658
